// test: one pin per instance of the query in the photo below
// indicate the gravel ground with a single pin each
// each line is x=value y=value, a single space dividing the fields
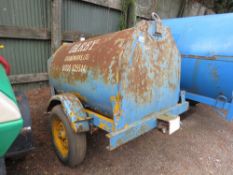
x=203 y=145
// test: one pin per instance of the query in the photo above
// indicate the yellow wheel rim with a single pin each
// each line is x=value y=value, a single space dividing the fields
x=60 y=137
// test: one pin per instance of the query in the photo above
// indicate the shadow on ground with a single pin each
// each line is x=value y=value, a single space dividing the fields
x=203 y=145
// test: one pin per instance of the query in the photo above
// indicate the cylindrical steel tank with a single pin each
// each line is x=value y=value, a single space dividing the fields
x=139 y=67
x=206 y=45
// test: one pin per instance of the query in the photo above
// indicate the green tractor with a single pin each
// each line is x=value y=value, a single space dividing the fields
x=15 y=121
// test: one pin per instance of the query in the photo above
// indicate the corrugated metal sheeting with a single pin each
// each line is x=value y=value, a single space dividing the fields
x=30 y=56
x=25 y=13
x=25 y=56
x=89 y=18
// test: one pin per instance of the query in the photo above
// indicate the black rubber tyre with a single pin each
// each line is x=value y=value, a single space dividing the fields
x=76 y=141
x=2 y=167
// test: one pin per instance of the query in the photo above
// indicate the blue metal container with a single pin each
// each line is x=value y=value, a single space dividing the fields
x=124 y=80
x=206 y=45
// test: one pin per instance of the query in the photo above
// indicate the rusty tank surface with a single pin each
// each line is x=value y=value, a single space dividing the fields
x=123 y=82
x=142 y=69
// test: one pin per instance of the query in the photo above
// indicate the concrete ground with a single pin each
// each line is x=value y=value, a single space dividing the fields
x=203 y=145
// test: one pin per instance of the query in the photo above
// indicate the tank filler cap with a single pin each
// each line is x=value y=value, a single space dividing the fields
x=82 y=38
x=158 y=24
x=155 y=16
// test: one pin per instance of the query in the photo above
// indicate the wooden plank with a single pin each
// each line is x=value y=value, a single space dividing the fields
x=113 y=4
x=28 y=78
x=75 y=36
x=56 y=33
x=23 y=33
x=37 y=34
x=131 y=17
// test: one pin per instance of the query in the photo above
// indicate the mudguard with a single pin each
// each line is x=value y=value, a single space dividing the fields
x=73 y=109
x=23 y=143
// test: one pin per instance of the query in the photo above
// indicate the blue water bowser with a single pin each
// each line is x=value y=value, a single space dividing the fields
x=206 y=46
x=125 y=83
